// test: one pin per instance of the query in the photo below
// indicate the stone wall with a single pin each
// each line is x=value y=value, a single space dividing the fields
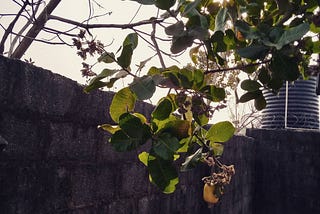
x=57 y=161
x=287 y=171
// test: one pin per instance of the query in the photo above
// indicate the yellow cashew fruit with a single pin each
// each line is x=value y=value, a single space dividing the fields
x=208 y=194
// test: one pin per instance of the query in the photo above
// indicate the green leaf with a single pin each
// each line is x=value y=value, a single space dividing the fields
x=246 y=30
x=175 y=29
x=163 y=174
x=285 y=67
x=143 y=87
x=217 y=148
x=214 y=93
x=133 y=127
x=163 y=109
x=165 y=4
x=221 y=19
x=132 y=40
x=122 y=142
x=109 y=128
x=143 y=157
x=122 y=102
x=124 y=60
x=177 y=127
x=249 y=96
x=220 y=132
x=260 y=103
x=192 y=161
x=107 y=57
x=133 y=133
x=250 y=85
x=292 y=34
x=217 y=42
x=264 y=76
x=180 y=43
x=129 y=44
x=145 y=2
x=165 y=146
x=190 y=9
x=94 y=85
x=253 y=52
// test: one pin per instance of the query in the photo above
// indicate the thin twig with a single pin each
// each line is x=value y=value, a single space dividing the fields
x=153 y=39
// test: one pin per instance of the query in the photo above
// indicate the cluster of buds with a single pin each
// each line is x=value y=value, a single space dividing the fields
x=87 y=47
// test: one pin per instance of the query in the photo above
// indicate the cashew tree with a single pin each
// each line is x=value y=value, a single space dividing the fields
x=271 y=41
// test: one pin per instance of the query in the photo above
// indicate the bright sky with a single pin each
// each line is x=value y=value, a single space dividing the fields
x=62 y=59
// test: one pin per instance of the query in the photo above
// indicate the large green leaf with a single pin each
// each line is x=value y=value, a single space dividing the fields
x=285 y=67
x=264 y=76
x=220 y=132
x=133 y=133
x=192 y=161
x=292 y=34
x=221 y=19
x=133 y=126
x=122 y=102
x=190 y=8
x=250 y=96
x=146 y=2
x=253 y=52
x=163 y=174
x=165 y=4
x=214 y=93
x=177 y=127
x=260 y=103
x=143 y=87
x=124 y=60
x=246 y=30
x=250 y=85
x=107 y=57
x=129 y=44
x=95 y=83
x=180 y=43
x=163 y=109
x=165 y=146
x=175 y=29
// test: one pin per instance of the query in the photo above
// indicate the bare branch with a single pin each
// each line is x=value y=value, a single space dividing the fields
x=91 y=26
x=153 y=39
x=29 y=22
x=35 y=29
x=10 y=27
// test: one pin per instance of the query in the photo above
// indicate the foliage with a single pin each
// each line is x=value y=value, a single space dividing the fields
x=267 y=40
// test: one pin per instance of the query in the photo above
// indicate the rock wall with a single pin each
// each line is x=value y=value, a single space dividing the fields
x=55 y=160
x=287 y=171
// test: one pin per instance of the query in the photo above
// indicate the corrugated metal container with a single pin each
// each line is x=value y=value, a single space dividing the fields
x=302 y=108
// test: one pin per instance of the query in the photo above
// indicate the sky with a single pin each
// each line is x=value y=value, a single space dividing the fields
x=63 y=59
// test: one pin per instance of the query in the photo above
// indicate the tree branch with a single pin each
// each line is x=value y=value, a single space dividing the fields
x=10 y=27
x=35 y=29
x=241 y=67
x=153 y=39
x=91 y=26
